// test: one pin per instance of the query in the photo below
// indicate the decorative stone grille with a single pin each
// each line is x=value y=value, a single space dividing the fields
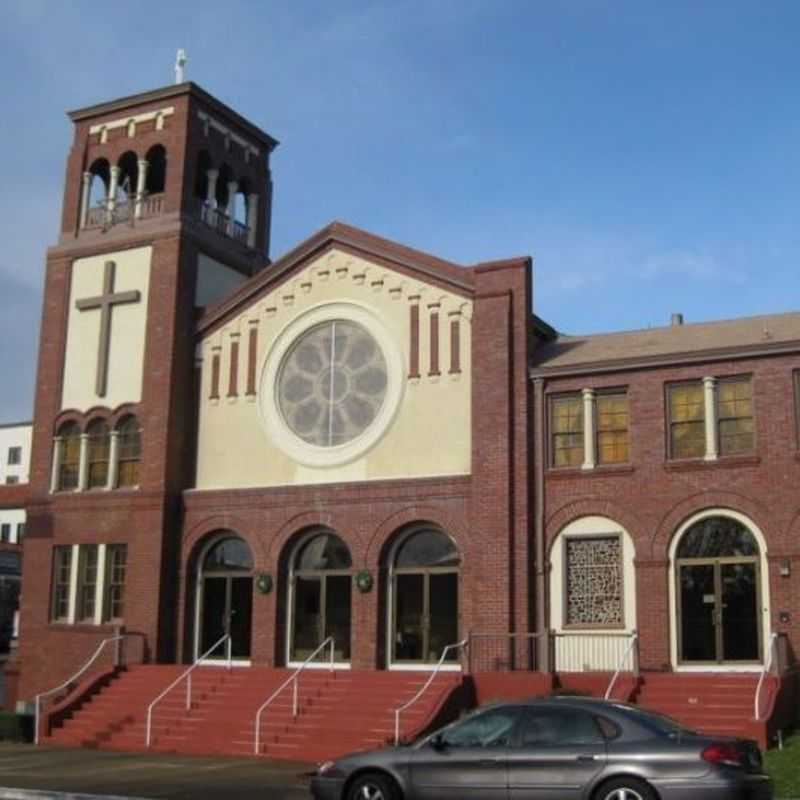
x=594 y=581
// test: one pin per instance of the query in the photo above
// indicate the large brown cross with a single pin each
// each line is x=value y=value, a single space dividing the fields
x=105 y=302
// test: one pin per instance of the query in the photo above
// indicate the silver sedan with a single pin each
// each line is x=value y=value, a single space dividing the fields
x=559 y=748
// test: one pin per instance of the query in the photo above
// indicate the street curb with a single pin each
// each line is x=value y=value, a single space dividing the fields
x=7 y=793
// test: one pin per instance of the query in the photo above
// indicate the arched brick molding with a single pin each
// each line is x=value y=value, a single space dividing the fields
x=592 y=507
x=394 y=523
x=680 y=512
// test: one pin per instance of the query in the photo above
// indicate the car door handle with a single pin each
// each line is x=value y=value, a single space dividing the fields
x=587 y=758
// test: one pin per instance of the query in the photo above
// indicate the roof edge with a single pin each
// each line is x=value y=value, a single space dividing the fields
x=454 y=276
x=738 y=352
x=175 y=90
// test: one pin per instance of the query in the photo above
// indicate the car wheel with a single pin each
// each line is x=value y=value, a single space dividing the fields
x=625 y=789
x=372 y=786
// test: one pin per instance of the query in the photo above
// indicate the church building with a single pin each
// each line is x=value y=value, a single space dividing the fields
x=363 y=447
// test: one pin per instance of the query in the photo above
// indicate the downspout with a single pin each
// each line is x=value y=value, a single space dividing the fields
x=543 y=660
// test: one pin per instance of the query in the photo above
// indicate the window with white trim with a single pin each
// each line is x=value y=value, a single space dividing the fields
x=88 y=583
x=593 y=566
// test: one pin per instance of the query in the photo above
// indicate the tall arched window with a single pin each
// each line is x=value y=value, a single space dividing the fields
x=70 y=456
x=201 y=176
x=320 y=591
x=129 y=451
x=99 y=448
x=424 y=569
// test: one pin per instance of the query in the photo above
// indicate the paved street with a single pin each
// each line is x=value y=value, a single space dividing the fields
x=147 y=776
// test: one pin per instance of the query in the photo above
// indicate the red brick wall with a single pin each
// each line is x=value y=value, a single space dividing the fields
x=652 y=497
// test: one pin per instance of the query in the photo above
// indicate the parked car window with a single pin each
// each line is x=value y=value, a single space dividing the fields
x=490 y=729
x=559 y=726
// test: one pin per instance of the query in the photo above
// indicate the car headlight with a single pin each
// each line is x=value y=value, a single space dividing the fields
x=329 y=770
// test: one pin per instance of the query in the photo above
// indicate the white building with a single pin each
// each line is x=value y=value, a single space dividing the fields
x=15 y=457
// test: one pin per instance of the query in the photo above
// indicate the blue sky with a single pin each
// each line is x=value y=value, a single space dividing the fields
x=645 y=153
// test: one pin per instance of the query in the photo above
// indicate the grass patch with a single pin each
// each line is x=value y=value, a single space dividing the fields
x=784 y=767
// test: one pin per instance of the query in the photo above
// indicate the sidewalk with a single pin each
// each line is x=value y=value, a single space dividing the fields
x=139 y=775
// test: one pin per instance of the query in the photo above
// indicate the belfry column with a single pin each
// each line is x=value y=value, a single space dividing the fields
x=709 y=396
x=233 y=187
x=252 y=218
x=112 y=190
x=211 y=188
x=141 y=182
x=85 y=192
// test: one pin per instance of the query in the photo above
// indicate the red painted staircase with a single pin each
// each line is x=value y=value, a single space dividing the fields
x=716 y=703
x=339 y=711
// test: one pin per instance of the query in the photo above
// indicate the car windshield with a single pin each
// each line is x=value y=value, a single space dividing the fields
x=666 y=726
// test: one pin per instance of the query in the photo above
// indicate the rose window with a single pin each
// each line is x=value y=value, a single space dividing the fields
x=332 y=383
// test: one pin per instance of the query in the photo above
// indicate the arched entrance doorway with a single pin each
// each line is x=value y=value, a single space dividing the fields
x=320 y=585
x=718 y=593
x=225 y=597
x=423 y=597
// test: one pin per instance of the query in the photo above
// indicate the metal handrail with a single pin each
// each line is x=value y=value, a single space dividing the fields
x=773 y=640
x=185 y=674
x=293 y=677
x=463 y=643
x=38 y=701
x=633 y=643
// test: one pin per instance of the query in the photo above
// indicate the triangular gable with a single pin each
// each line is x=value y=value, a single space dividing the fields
x=394 y=256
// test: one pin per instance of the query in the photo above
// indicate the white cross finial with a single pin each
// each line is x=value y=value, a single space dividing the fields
x=180 y=63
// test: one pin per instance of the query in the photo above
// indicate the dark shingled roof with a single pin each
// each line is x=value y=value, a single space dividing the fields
x=673 y=343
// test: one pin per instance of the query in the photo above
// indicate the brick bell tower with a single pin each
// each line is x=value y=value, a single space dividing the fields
x=167 y=207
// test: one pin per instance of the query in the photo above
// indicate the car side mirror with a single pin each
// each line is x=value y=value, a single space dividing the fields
x=438 y=743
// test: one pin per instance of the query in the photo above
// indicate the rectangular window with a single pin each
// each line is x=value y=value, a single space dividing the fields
x=87 y=583
x=735 y=415
x=612 y=428
x=20 y=532
x=594 y=581
x=566 y=426
x=687 y=426
x=14 y=456
x=5 y=532
x=62 y=570
x=117 y=556
x=11 y=479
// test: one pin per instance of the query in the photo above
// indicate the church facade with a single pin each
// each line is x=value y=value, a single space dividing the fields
x=366 y=444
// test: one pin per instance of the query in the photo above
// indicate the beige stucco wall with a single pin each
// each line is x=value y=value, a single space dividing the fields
x=428 y=432
x=128 y=327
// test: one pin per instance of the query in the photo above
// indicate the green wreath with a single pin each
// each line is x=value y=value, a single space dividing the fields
x=264 y=583
x=364 y=580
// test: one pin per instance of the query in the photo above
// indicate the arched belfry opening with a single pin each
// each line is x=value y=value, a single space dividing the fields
x=99 y=181
x=156 y=170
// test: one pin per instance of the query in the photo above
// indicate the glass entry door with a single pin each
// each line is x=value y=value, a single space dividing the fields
x=719 y=612
x=321 y=609
x=225 y=598
x=320 y=583
x=227 y=608
x=425 y=616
